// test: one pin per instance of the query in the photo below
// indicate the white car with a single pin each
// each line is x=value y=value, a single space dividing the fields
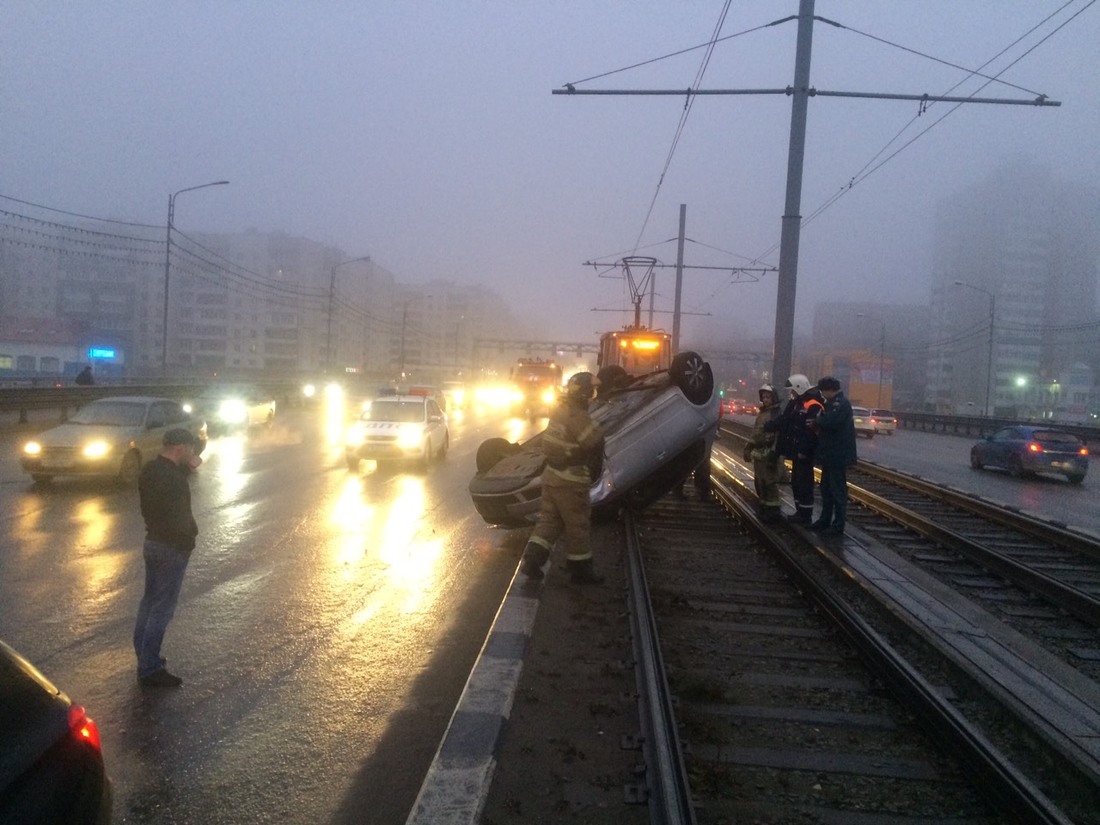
x=884 y=421
x=865 y=425
x=658 y=429
x=108 y=437
x=398 y=427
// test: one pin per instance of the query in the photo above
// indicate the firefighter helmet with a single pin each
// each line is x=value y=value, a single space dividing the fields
x=582 y=386
x=766 y=388
x=798 y=383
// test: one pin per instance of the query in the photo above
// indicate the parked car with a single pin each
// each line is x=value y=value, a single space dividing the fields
x=51 y=764
x=658 y=429
x=884 y=421
x=231 y=408
x=110 y=437
x=455 y=393
x=398 y=427
x=864 y=423
x=1026 y=449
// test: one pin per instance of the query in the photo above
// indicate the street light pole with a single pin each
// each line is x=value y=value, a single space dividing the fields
x=331 y=298
x=989 y=358
x=881 y=350
x=168 y=268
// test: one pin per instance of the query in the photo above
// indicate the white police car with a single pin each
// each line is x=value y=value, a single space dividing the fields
x=398 y=428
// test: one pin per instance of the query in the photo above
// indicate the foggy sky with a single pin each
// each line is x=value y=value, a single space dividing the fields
x=426 y=135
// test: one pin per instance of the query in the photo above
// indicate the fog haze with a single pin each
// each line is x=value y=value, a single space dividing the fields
x=426 y=136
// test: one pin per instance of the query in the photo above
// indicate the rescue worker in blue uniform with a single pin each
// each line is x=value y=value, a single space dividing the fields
x=573 y=446
x=836 y=452
x=797 y=441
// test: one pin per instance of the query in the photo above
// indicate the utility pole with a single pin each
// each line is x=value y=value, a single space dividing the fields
x=679 y=279
x=800 y=93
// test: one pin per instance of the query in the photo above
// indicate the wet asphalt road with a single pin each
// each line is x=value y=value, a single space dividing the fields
x=327 y=624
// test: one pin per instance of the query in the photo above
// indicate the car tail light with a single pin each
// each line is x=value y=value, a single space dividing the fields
x=1083 y=451
x=1033 y=447
x=82 y=726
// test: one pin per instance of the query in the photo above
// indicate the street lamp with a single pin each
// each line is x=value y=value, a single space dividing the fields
x=989 y=361
x=168 y=268
x=331 y=297
x=881 y=350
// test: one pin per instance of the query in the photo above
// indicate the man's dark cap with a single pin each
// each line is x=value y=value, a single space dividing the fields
x=178 y=435
x=828 y=383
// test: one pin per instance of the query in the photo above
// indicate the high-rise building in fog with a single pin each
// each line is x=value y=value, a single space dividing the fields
x=1014 y=320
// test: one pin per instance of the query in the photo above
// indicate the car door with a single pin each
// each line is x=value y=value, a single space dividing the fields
x=1001 y=446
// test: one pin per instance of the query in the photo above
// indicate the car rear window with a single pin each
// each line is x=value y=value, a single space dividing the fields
x=882 y=413
x=1054 y=437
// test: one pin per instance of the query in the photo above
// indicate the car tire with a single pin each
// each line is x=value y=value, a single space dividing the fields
x=493 y=450
x=426 y=459
x=353 y=462
x=1075 y=478
x=975 y=462
x=445 y=447
x=130 y=469
x=870 y=436
x=693 y=376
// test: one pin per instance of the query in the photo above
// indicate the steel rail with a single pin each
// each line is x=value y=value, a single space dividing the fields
x=1067 y=597
x=666 y=774
x=1012 y=793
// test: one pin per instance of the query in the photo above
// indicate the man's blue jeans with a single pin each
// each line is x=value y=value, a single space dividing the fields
x=164 y=569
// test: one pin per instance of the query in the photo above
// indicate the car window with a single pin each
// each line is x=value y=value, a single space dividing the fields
x=1055 y=437
x=402 y=412
x=1004 y=435
x=860 y=411
x=111 y=413
x=882 y=413
x=161 y=414
x=433 y=408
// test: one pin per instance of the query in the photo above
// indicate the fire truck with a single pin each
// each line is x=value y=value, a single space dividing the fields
x=536 y=384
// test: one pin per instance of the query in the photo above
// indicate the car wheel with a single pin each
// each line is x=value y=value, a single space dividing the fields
x=1075 y=478
x=493 y=450
x=445 y=447
x=693 y=376
x=975 y=462
x=870 y=435
x=353 y=462
x=130 y=469
x=426 y=460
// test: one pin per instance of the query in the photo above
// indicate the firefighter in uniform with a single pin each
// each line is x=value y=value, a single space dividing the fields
x=761 y=451
x=573 y=446
x=797 y=441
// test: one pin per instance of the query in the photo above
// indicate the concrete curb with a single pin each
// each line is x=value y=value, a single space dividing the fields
x=457 y=784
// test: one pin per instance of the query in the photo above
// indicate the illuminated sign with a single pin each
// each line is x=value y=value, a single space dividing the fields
x=102 y=353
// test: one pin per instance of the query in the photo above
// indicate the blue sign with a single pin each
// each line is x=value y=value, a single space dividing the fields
x=102 y=353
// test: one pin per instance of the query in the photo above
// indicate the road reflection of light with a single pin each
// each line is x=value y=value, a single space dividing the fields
x=335 y=412
x=351 y=517
x=390 y=534
x=517 y=428
x=99 y=568
x=226 y=458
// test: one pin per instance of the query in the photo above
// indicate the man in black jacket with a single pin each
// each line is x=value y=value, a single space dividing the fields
x=170 y=532
x=836 y=452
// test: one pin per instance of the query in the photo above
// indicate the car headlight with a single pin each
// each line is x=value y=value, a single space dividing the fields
x=309 y=390
x=96 y=449
x=32 y=448
x=410 y=438
x=549 y=396
x=355 y=435
x=232 y=411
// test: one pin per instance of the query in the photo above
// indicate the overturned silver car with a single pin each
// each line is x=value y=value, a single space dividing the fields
x=658 y=428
